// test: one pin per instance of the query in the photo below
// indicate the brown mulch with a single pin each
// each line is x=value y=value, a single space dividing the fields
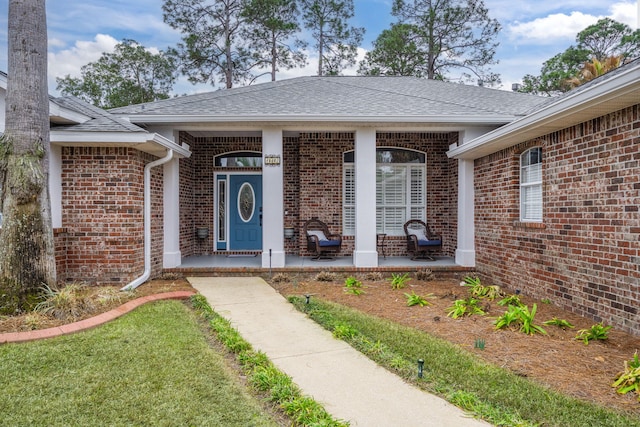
x=556 y=359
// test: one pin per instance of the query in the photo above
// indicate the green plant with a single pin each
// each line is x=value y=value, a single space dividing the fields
x=344 y=331
x=353 y=286
x=479 y=343
x=561 y=323
x=520 y=315
x=464 y=307
x=594 y=333
x=399 y=281
x=546 y=301
x=629 y=379
x=511 y=300
x=414 y=299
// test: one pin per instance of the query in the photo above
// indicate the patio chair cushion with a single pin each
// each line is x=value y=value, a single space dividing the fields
x=429 y=242
x=318 y=233
x=328 y=243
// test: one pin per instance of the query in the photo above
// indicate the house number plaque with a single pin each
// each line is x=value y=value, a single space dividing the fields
x=272 y=160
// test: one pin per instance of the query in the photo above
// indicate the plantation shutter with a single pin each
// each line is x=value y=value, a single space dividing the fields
x=531 y=185
x=349 y=200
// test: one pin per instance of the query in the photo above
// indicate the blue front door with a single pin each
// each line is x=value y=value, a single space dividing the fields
x=245 y=212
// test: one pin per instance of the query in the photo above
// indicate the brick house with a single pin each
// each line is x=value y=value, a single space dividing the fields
x=229 y=170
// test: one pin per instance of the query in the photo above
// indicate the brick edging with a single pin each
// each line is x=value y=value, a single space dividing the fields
x=92 y=322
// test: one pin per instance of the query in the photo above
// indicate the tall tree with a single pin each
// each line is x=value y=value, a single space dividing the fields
x=395 y=53
x=129 y=75
x=451 y=34
x=26 y=239
x=335 y=41
x=271 y=31
x=600 y=41
x=211 y=50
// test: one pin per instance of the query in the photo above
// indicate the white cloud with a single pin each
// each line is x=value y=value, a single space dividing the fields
x=550 y=29
x=627 y=13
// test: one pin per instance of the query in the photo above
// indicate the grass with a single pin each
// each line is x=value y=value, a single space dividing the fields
x=491 y=393
x=150 y=367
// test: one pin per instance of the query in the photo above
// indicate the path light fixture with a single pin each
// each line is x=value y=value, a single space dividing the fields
x=420 y=367
x=307 y=298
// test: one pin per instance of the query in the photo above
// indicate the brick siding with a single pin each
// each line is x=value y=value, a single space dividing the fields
x=102 y=239
x=585 y=255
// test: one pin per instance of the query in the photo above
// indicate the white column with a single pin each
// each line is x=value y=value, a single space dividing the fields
x=466 y=251
x=55 y=185
x=273 y=254
x=172 y=256
x=365 y=253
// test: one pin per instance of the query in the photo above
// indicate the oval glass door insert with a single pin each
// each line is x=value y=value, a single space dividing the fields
x=246 y=202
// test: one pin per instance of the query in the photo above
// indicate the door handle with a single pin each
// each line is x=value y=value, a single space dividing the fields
x=260 y=216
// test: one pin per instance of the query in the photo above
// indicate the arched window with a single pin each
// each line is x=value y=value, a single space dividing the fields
x=239 y=159
x=531 y=185
x=400 y=190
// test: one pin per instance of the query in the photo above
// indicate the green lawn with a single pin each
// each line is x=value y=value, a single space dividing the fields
x=150 y=367
x=500 y=397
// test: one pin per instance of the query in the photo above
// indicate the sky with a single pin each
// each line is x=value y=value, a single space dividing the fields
x=532 y=31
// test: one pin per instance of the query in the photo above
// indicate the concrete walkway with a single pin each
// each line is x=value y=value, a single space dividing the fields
x=349 y=386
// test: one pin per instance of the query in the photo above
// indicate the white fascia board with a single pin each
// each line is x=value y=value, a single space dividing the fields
x=555 y=116
x=147 y=142
x=66 y=114
x=457 y=119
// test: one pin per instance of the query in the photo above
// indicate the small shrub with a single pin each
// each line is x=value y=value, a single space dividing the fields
x=594 y=333
x=399 y=281
x=629 y=379
x=110 y=295
x=171 y=276
x=520 y=315
x=344 y=331
x=66 y=303
x=280 y=278
x=425 y=274
x=353 y=286
x=373 y=276
x=325 y=276
x=33 y=321
x=561 y=323
x=511 y=300
x=413 y=299
x=477 y=290
x=465 y=307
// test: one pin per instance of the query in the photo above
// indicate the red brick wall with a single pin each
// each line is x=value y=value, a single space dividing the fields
x=585 y=256
x=187 y=223
x=102 y=214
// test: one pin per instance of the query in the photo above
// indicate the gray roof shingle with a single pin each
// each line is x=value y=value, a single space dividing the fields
x=401 y=97
x=101 y=120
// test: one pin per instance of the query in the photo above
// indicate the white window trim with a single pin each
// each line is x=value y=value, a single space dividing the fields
x=527 y=185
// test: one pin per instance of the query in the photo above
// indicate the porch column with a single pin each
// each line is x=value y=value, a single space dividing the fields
x=273 y=254
x=172 y=256
x=466 y=251
x=365 y=253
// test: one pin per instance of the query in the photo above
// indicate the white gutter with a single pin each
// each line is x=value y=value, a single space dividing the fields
x=147 y=221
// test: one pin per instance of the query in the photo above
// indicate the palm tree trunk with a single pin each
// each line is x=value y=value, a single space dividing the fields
x=27 y=257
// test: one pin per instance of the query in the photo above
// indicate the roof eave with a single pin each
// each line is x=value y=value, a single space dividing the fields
x=610 y=95
x=151 y=143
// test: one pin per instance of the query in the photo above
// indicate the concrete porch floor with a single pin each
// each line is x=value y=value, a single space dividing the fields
x=253 y=263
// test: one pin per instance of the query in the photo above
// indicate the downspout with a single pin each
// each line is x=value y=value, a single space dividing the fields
x=147 y=221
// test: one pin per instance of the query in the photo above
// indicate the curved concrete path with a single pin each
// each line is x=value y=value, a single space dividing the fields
x=349 y=385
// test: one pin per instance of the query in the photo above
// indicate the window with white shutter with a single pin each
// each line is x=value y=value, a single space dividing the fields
x=531 y=185
x=400 y=190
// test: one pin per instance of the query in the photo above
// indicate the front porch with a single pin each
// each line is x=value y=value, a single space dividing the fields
x=252 y=263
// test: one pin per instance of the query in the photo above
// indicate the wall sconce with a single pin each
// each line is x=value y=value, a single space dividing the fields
x=202 y=232
x=288 y=232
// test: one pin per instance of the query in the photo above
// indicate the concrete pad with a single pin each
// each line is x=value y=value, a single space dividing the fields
x=349 y=385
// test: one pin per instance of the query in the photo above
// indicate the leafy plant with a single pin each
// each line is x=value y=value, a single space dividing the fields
x=399 y=281
x=511 y=300
x=629 y=380
x=425 y=274
x=65 y=303
x=561 y=323
x=594 y=333
x=520 y=315
x=465 y=307
x=344 y=331
x=325 y=276
x=280 y=278
x=414 y=299
x=353 y=286
x=373 y=276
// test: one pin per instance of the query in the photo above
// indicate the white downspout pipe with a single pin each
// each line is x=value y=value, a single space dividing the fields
x=147 y=221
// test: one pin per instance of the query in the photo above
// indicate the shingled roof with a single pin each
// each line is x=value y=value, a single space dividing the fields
x=403 y=98
x=99 y=120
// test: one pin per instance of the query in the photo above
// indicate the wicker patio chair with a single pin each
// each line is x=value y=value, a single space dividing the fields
x=421 y=242
x=321 y=243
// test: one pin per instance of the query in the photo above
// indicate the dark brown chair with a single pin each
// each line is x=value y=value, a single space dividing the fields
x=421 y=242
x=320 y=242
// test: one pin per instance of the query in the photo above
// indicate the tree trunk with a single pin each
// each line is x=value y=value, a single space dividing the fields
x=27 y=259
